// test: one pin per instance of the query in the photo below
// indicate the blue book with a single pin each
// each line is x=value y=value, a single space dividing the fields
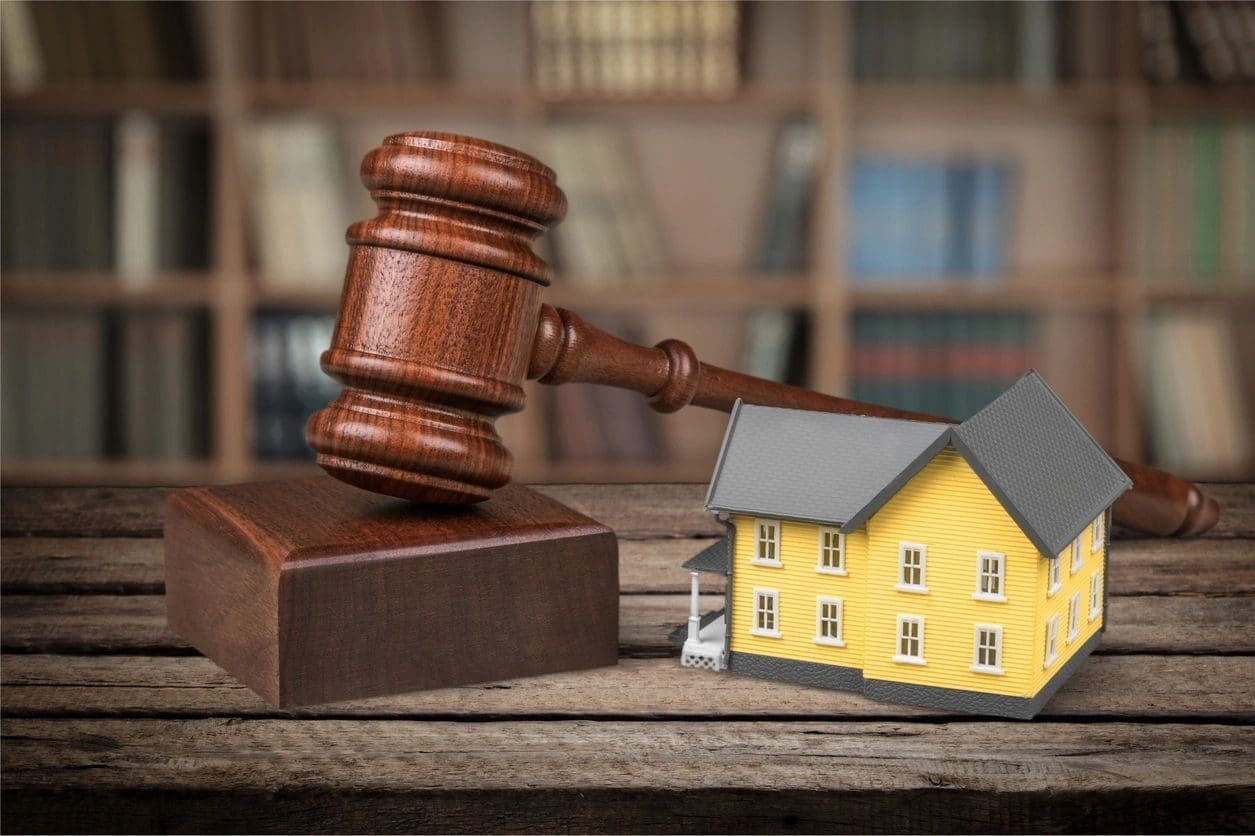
x=870 y=206
x=895 y=238
x=859 y=256
x=933 y=222
x=990 y=221
x=960 y=184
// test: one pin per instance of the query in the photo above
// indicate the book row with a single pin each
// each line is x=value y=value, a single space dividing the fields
x=1195 y=214
x=129 y=195
x=1206 y=42
x=636 y=48
x=85 y=385
x=921 y=220
x=119 y=40
x=1034 y=44
x=1197 y=400
x=948 y=364
x=123 y=40
x=344 y=41
x=288 y=384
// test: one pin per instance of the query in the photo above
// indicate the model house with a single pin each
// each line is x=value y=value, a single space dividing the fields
x=955 y=566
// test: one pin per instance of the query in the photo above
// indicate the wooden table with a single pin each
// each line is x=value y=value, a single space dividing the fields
x=112 y=723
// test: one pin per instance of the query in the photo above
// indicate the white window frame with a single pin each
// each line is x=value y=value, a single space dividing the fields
x=1096 y=533
x=839 y=569
x=1074 y=616
x=1000 y=560
x=1095 y=595
x=774 y=595
x=922 y=586
x=898 y=656
x=1078 y=558
x=1052 y=641
x=1054 y=577
x=994 y=630
x=831 y=641
x=759 y=540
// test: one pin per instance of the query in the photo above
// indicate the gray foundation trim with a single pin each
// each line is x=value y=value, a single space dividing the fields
x=946 y=699
x=791 y=670
x=975 y=702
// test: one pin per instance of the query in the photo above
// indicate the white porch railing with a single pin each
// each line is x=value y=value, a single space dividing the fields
x=707 y=650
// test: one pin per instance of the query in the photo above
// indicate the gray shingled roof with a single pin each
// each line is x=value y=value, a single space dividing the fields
x=1034 y=456
x=815 y=466
x=713 y=558
x=1048 y=472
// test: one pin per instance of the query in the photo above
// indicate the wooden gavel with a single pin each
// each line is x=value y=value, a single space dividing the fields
x=441 y=321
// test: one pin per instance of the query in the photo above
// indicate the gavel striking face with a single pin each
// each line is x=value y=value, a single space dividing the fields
x=441 y=322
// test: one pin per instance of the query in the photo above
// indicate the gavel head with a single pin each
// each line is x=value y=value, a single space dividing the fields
x=437 y=318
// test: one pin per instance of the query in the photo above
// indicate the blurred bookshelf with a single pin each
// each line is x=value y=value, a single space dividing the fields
x=810 y=191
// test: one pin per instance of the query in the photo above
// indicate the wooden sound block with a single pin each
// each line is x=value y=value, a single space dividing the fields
x=311 y=591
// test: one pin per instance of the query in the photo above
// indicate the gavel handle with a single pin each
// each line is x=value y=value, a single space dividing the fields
x=569 y=350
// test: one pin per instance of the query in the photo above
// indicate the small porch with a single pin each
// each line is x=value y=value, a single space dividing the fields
x=705 y=636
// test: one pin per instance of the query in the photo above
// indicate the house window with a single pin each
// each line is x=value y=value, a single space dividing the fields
x=1056 y=575
x=1076 y=555
x=831 y=551
x=1095 y=534
x=990 y=577
x=911 y=559
x=767 y=543
x=987 y=649
x=910 y=640
x=766 y=613
x=1074 y=616
x=1095 y=595
x=1052 y=640
x=828 y=622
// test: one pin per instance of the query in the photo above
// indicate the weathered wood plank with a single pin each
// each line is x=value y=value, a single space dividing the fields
x=136 y=624
x=1113 y=687
x=96 y=565
x=82 y=565
x=350 y=775
x=83 y=512
x=634 y=511
x=652 y=510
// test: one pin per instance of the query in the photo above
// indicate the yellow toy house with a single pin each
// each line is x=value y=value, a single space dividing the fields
x=954 y=566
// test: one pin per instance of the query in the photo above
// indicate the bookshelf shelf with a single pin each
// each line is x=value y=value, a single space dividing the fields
x=1218 y=294
x=356 y=98
x=110 y=97
x=1193 y=99
x=597 y=471
x=103 y=289
x=682 y=293
x=750 y=100
x=317 y=299
x=989 y=99
x=110 y=472
x=1094 y=295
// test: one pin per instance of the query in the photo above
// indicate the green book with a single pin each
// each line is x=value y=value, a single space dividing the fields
x=1205 y=236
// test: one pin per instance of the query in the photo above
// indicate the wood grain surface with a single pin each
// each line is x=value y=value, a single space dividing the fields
x=309 y=590
x=112 y=724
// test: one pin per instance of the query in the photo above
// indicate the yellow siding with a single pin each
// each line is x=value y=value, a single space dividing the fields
x=1057 y=604
x=947 y=508
x=799 y=585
